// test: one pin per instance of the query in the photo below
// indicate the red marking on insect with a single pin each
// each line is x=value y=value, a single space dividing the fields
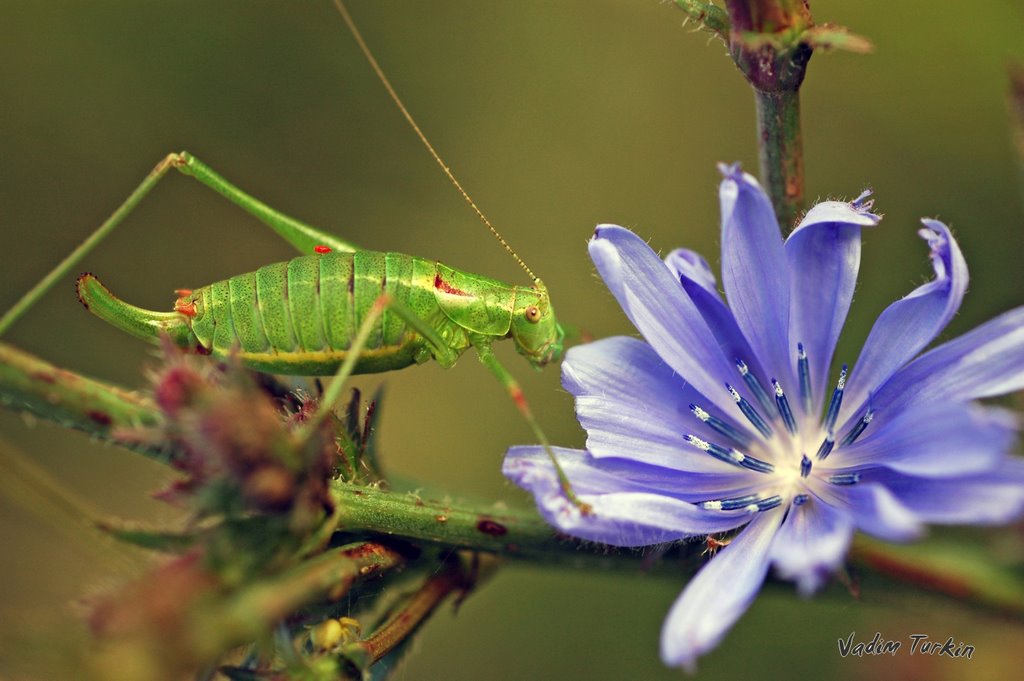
x=443 y=286
x=519 y=398
x=183 y=292
x=99 y=417
x=321 y=249
x=188 y=309
x=494 y=529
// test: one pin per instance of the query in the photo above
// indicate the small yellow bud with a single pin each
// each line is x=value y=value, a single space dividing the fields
x=326 y=635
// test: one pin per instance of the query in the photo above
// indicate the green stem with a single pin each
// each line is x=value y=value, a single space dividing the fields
x=404 y=620
x=770 y=44
x=29 y=384
x=965 y=573
x=241 y=617
x=1016 y=101
x=514 y=533
x=780 y=152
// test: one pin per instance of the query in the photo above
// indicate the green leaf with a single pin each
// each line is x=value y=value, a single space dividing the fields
x=831 y=37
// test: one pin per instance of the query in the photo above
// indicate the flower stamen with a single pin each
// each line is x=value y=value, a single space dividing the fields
x=755 y=385
x=721 y=427
x=749 y=411
x=783 y=405
x=801 y=499
x=805 y=466
x=729 y=504
x=837 y=401
x=752 y=503
x=733 y=456
x=769 y=503
x=855 y=432
x=826 y=446
x=844 y=478
x=804 y=369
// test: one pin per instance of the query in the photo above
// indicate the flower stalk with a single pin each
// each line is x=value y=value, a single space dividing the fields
x=781 y=151
x=31 y=385
x=767 y=41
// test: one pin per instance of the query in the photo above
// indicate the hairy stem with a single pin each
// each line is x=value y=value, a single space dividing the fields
x=32 y=385
x=781 y=152
x=515 y=533
x=246 y=615
x=770 y=41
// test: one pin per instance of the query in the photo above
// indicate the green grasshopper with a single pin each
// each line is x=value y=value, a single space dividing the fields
x=322 y=312
x=300 y=317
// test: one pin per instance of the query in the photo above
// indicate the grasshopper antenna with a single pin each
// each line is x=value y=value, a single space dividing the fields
x=423 y=138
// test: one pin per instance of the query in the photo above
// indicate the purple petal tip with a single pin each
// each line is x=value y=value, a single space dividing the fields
x=731 y=171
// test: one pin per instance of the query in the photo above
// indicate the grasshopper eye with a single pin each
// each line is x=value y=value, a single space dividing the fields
x=532 y=314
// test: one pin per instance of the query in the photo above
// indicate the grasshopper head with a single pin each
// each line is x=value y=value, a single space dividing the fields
x=535 y=331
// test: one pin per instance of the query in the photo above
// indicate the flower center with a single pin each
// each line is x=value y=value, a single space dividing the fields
x=780 y=454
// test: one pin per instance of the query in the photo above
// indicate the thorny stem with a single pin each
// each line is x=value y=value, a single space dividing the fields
x=31 y=385
x=514 y=533
x=403 y=622
x=34 y=386
x=249 y=613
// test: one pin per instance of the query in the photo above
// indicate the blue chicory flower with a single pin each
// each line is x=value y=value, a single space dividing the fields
x=726 y=417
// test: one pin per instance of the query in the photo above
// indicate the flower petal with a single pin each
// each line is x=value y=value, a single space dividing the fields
x=811 y=544
x=692 y=266
x=634 y=405
x=993 y=497
x=699 y=283
x=592 y=475
x=617 y=517
x=908 y=325
x=718 y=594
x=873 y=508
x=755 y=272
x=943 y=439
x=824 y=257
x=985 y=362
x=656 y=304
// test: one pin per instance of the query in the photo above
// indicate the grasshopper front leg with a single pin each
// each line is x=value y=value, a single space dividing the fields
x=300 y=235
x=485 y=352
x=446 y=356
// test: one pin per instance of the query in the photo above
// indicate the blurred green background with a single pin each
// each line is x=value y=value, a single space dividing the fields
x=555 y=116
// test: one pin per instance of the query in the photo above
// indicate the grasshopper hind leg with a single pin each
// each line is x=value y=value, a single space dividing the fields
x=305 y=238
